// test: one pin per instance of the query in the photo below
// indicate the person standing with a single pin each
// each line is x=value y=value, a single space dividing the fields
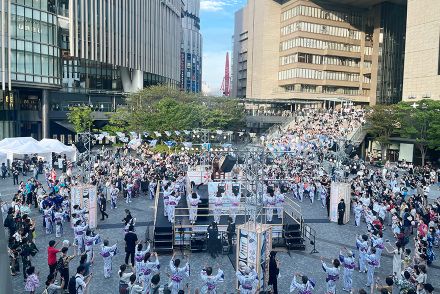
x=81 y=281
x=213 y=239
x=193 y=201
x=107 y=252
x=177 y=274
x=52 y=256
x=210 y=282
x=15 y=173
x=4 y=171
x=248 y=278
x=103 y=206
x=230 y=232
x=274 y=270
x=349 y=264
x=341 y=212
x=332 y=275
x=63 y=265
x=130 y=245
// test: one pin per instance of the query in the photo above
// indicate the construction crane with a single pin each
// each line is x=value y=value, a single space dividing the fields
x=226 y=85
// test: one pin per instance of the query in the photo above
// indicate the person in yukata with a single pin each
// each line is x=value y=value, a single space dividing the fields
x=332 y=275
x=377 y=243
x=89 y=241
x=177 y=274
x=79 y=231
x=348 y=262
x=305 y=286
x=107 y=253
x=147 y=269
x=270 y=201
x=362 y=246
x=193 y=202
x=248 y=279
x=218 y=204
x=172 y=203
x=280 y=203
x=209 y=281
x=139 y=255
x=372 y=263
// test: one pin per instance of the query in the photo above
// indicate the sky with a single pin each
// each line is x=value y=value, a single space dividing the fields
x=217 y=27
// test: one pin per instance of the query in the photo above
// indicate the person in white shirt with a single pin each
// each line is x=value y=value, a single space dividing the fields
x=81 y=282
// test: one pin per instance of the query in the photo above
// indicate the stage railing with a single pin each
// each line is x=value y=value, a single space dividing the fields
x=156 y=199
x=293 y=210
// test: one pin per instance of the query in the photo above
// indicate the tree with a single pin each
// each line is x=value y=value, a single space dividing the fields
x=383 y=121
x=160 y=108
x=81 y=118
x=420 y=122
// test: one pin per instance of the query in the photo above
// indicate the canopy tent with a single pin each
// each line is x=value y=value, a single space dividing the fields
x=10 y=143
x=57 y=147
x=22 y=146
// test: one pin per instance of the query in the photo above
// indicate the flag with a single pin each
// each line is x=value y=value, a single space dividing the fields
x=168 y=133
x=219 y=132
x=206 y=146
x=153 y=143
x=187 y=132
x=177 y=133
x=187 y=144
x=170 y=143
x=158 y=134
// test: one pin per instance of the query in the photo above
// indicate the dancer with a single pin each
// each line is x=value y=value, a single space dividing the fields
x=349 y=265
x=58 y=219
x=114 y=192
x=377 y=243
x=235 y=203
x=270 y=201
x=210 y=282
x=218 y=204
x=147 y=268
x=173 y=201
x=89 y=241
x=248 y=279
x=362 y=246
x=193 y=201
x=305 y=287
x=107 y=252
x=48 y=221
x=371 y=259
x=79 y=231
x=332 y=275
x=177 y=274
x=280 y=203
x=139 y=255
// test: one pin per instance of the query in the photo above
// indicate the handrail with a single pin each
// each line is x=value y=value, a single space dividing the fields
x=155 y=201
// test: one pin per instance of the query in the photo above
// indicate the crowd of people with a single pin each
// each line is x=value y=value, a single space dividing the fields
x=392 y=196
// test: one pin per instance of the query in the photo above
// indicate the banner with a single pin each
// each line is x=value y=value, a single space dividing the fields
x=86 y=197
x=167 y=133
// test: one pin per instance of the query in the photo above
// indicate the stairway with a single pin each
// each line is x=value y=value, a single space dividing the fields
x=292 y=236
x=163 y=239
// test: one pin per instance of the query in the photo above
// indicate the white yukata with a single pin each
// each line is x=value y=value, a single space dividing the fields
x=166 y=196
x=270 y=202
x=348 y=262
x=332 y=277
x=89 y=241
x=139 y=259
x=79 y=231
x=177 y=275
x=302 y=288
x=235 y=204
x=172 y=203
x=362 y=246
x=378 y=244
x=58 y=219
x=218 y=204
x=147 y=269
x=210 y=282
x=193 y=205
x=372 y=262
x=280 y=204
x=357 y=214
x=248 y=283
x=107 y=252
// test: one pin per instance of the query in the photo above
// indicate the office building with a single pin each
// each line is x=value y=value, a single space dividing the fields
x=191 y=52
x=81 y=52
x=422 y=54
x=319 y=51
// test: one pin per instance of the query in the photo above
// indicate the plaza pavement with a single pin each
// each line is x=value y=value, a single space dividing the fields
x=330 y=238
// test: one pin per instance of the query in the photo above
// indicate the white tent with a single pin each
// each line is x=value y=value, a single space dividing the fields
x=57 y=147
x=18 y=148
x=3 y=158
x=15 y=142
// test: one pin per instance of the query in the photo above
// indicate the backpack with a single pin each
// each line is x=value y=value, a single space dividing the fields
x=72 y=285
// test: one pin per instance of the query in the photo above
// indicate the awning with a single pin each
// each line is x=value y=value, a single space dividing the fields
x=66 y=125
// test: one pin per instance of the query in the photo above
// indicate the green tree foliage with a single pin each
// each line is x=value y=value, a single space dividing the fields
x=382 y=123
x=81 y=118
x=160 y=108
x=421 y=121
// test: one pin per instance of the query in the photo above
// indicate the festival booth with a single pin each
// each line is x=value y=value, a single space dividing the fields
x=254 y=244
x=19 y=147
x=338 y=191
x=86 y=197
x=57 y=147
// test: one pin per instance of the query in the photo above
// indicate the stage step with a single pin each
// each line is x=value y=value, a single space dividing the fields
x=292 y=236
x=163 y=239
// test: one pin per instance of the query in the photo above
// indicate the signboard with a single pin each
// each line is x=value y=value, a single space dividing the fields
x=339 y=191
x=86 y=197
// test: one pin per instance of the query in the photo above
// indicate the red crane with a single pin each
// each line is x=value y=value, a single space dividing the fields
x=226 y=85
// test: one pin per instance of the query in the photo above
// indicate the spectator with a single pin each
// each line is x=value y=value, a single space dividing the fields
x=130 y=245
x=52 y=256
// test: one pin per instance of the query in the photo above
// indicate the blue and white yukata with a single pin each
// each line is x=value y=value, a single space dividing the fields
x=172 y=203
x=362 y=246
x=138 y=260
x=210 y=282
x=89 y=241
x=79 y=232
x=147 y=269
x=107 y=252
x=270 y=202
x=48 y=220
x=357 y=214
x=332 y=277
x=372 y=262
x=349 y=265
x=177 y=275
x=280 y=204
x=302 y=288
x=377 y=243
x=248 y=283
x=58 y=219
x=193 y=205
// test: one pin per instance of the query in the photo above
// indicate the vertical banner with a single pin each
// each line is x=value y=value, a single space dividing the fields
x=339 y=191
x=86 y=197
x=92 y=206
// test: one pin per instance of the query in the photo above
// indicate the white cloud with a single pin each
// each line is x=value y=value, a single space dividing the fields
x=214 y=70
x=216 y=5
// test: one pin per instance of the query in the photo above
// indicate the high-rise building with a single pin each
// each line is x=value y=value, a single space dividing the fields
x=422 y=52
x=59 y=53
x=309 y=50
x=191 y=51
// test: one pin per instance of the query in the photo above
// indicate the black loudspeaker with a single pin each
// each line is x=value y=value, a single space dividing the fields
x=235 y=190
x=270 y=189
x=221 y=188
x=80 y=146
x=227 y=163
x=240 y=159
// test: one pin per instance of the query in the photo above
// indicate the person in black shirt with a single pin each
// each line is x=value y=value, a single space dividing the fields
x=103 y=206
x=274 y=270
x=230 y=232
x=130 y=245
x=341 y=212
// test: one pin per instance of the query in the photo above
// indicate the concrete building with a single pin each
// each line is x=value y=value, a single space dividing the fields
x=319 y=52
x=81 y=52
x=191 y=51
x=422 y=54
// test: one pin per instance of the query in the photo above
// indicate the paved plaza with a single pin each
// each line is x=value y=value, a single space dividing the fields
x=330 y=238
